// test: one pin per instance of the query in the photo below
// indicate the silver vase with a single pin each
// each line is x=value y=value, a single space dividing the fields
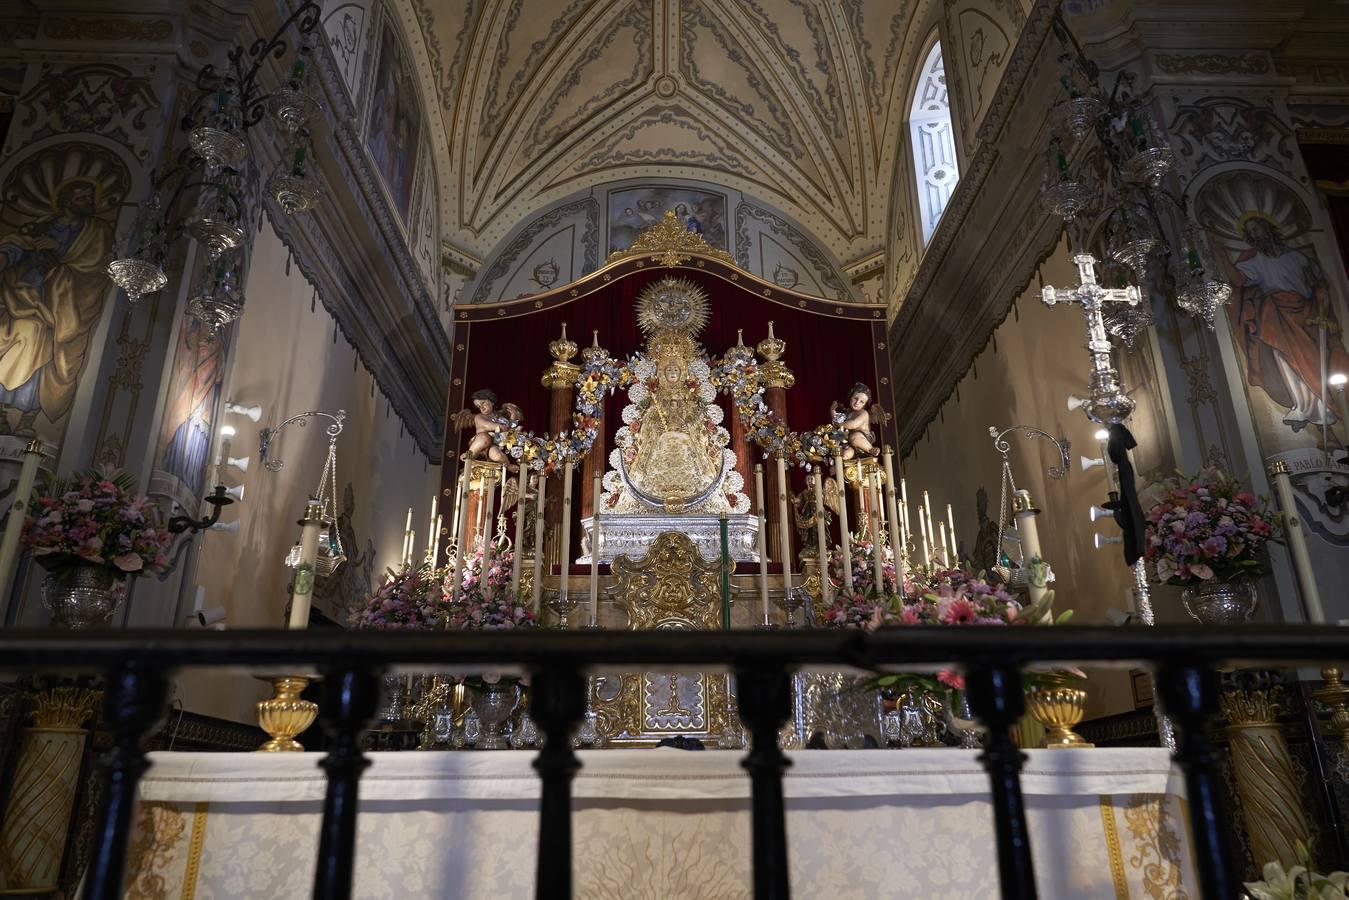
x=397 y=699
x=961 y=721
x=494 y=704
x=1221 y=602
x=83 y=596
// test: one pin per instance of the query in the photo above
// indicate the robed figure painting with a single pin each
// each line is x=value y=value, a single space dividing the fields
x=56 y=236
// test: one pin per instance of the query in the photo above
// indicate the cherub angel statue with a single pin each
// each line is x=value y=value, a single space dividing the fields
x=857 y=420
x=485 y=422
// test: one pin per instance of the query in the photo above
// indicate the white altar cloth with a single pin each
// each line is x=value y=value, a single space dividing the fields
x=662 y=823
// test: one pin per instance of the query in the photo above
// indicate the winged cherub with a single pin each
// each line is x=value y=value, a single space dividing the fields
x=485 y=422
x=856 y=420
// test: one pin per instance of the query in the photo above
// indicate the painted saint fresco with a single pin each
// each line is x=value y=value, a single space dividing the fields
x=185 y=438
x=1281 y=297
x=633 y=210
x=58 y=209
x=395 y=121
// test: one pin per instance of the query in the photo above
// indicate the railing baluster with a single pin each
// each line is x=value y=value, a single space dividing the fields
x=133 y=704
x=765 y=705
x=349 y=697
x=1189 y=695
x=556 y=702
x=996 y=698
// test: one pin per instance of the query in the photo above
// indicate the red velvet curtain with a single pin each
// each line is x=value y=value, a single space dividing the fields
x=827 y=354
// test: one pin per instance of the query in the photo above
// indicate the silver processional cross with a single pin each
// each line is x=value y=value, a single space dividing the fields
x=1108 y=402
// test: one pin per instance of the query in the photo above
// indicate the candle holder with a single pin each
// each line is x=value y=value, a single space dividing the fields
x=285 y=715
x=1335 y=695
x=562 y=606
x=791 y=601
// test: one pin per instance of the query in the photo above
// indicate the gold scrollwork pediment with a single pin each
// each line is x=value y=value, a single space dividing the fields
x=669 y=242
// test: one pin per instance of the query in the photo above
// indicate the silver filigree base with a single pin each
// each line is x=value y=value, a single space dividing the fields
x=83 y=597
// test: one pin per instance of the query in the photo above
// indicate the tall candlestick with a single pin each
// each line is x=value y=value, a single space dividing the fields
x=904 y=499
x=1297 y=543
x=488 y=496
x=461 y=533
x=433 y=545
x=845 y=539
x=458 y=501
x=877 y=541
x=896 y=523
x=564 y=557
x=431 y=528
x=517 y=557
x=951 y=526
x=404 y=555
x=821 y=539
x=784 y=530
x=304 y=569
x=595 y=554
x=9 y=545
x=762 y=539
x=1029 y=533
x=927 y=545
x=945 y=553
x=539 y=521
x=927 y=511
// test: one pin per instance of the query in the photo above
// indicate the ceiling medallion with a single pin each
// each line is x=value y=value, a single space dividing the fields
x=670 y=243
x=672 y=304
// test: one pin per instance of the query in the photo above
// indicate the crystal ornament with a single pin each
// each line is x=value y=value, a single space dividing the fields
x=217 y=234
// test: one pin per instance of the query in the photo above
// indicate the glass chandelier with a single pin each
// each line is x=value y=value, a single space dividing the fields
x=204 y=193
x=1146 y=226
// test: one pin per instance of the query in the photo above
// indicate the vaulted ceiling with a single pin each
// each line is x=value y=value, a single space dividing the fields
x=798 y=102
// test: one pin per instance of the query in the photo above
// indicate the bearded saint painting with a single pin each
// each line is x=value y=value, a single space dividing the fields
x=56 y=235
x=1281 y=297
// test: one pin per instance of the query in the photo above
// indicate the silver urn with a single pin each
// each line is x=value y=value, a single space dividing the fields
x=494 y=704
x=1221 y=602
x=83 y=596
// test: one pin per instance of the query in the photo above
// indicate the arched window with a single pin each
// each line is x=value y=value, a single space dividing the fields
x=934 y=145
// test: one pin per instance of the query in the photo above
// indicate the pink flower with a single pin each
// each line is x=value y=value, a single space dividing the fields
x=958 y=611
x=952 y=679
x=1202 y=571
x=129 y=562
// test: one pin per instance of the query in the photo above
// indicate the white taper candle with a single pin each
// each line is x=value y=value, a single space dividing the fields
x=304 y=569
x=539 y=522
x=9 y=545
x=762 y=542
x=845 y=539
x=595 y=556
x=821 y=536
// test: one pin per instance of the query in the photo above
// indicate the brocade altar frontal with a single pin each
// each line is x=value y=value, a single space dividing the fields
x=662 y=823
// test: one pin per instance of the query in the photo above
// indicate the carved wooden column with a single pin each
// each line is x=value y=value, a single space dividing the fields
x=560 y=379
x=777 y=378
x=595 y=459
x=1271 y=798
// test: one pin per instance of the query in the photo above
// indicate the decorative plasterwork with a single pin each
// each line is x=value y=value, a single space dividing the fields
x=798 y=102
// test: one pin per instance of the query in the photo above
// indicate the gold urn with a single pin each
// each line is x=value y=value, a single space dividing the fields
x=1057 y=703
x=285 y=715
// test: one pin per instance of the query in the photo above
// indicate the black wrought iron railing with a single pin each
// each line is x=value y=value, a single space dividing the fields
x=137 y=666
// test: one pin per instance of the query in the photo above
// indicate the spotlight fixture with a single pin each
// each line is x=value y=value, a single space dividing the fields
x=1090 y=463
x=1100 y=513
x=1101 y=540
x=226 y=527
x=1338 y=379
x=1075 y=403
x=253 y=413
x=1102 y=434
x=238 y=462
x=227 y=431
x=237 y=492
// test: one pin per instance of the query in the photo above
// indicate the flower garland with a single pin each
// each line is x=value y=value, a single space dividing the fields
x=739 y=376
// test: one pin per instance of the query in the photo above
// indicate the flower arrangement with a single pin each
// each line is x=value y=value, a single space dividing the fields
x=486 y=600
x=863 y=565
x=97 y=519
x=412 y=597
x=1204 y=529
x=1299 y=882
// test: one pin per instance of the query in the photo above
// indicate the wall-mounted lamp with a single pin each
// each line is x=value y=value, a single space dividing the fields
x=238 y=462
x=1091 y=463
x=1099 y=513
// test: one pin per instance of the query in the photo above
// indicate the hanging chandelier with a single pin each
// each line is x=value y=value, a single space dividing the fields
x=1145 y=225
x=205 y=193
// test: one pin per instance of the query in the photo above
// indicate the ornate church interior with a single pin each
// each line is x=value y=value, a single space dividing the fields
x=426 y=424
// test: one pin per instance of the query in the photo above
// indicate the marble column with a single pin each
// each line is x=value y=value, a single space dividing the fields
x=560 y=380
x=777 y=378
